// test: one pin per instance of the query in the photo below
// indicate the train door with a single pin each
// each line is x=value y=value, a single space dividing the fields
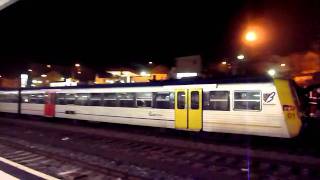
x=188 y=109
x=49 y=106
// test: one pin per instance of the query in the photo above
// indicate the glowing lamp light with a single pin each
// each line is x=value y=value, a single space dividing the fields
x=77 y=65
x=282 y=65
x=224 y=62
x=272 y=72
x=30 y=70
x=43 y=75
x=150 y=62
x=240 y=57
x=79 y=72
x=251 y=36
x=143 y=73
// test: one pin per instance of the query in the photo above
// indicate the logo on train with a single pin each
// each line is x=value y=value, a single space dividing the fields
x=268 y=97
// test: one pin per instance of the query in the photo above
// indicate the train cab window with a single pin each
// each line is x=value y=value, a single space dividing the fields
x=216 y=100
x=194 y=100
x=181 y=100
x=81 y=99
x=60 y=99
x=110 y=100
x=70 y=99
x=95 y=99
x=247 y=100
x=144 y=99
x=126 y=99
x=163 y=100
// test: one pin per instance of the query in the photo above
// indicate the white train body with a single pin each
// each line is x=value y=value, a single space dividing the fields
x=262 y=108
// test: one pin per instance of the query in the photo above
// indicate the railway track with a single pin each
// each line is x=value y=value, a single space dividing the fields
x=57 y=165
x=161 y=159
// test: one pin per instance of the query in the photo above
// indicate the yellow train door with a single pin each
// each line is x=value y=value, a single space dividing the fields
x=195 y=109
x=181 y=108
x=188 y=109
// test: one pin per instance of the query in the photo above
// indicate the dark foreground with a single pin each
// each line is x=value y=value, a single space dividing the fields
x=99 y=151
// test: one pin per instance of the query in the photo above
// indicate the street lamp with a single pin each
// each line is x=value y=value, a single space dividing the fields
x=77 y=65
x=30 y=70
x=224 y=62
x=272 y=72
x=43 y=75
x=240 y=57
x=251 y=36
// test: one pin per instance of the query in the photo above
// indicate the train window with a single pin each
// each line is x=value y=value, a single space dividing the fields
x=70 y=98
x=110 y=100
x=36 y=98
x=126 y=99
x=247 y=100
x=216 y=100
x=25 y=98
x=163 y=100
x=9 y=98
x=144 y=99
x=95 y=99
x=60 y=99
x=81 y=99
x=194 y=100
x=181 y=100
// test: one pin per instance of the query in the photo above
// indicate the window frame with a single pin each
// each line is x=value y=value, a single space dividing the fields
x=247 y=100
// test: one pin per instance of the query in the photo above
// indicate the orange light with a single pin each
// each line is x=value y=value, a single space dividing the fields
x=251 y=36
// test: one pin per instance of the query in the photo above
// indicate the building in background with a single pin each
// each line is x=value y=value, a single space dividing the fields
x=187 y=66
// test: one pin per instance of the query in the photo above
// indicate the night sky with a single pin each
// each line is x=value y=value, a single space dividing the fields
x=103 y=34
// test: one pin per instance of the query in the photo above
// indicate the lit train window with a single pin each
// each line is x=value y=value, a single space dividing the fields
x=163 y=100
x=70 y=98
x=216 y=100
x=9 y=98
x=33 y=98
x=144 y=99
x=81 y=99
x=95 y=99
x=247 y=100
x=126 y=99
x=60 y=99
x=110 y=100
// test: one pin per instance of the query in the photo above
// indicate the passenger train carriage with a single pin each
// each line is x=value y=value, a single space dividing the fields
x=265 y=107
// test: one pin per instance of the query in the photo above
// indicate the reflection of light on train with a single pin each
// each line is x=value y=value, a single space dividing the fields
x=262 y=107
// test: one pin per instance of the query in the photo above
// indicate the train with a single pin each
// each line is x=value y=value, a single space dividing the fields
x=256 y=106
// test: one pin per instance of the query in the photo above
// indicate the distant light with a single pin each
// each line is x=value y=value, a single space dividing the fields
x=30 y=70
x=0 y=76
x=224 y=62
x=23 y=80
x=77 y=65
x=183 y=75
x=251 y=36
x=150 y=62
x=62 y=79
x=34 y=81
x=282 y=65
x=109 y=81
x=122 y=81
x=43 y=75
x=32 y=85
x=143 y=73
x=133 y=81
x=48 y=66
x=271 y=72
x=79 y=72
x=240 y=57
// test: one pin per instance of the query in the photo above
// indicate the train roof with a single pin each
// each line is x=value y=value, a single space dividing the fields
x=186 y=81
